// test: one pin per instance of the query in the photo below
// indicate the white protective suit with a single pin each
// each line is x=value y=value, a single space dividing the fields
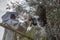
x=8 y=34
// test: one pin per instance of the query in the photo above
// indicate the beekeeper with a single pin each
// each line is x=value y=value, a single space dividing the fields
x=10 y=18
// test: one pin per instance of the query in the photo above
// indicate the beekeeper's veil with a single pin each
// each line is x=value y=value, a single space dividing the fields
x=6 y=18
x=7 y=15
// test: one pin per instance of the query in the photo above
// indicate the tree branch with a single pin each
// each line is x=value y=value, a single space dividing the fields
x=16 y=31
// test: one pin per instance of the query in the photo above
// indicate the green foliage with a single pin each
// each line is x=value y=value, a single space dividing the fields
x=30 y=33
x=19 y=9
x=53 y=20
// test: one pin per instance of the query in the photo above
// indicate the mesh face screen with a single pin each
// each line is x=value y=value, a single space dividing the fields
x=12 y=16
